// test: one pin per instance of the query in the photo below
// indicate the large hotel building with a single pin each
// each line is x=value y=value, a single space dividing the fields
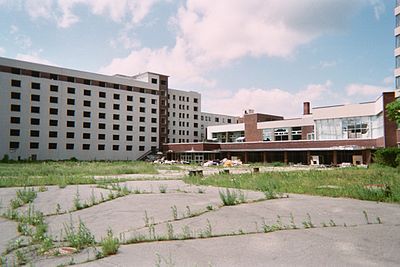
x=56 y=113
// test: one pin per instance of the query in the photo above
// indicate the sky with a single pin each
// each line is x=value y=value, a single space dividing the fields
x=266 y=55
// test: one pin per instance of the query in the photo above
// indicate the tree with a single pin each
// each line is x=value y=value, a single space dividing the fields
x=393 y=110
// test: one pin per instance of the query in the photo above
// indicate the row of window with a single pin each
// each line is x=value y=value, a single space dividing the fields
x=182 y=98
x=182 y=107
x=86 y=92
x=70 y=79
x=182 y=132
x=71 y=135
x=71 y=146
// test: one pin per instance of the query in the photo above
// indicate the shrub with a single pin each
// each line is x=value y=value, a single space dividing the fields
x=79 y=238
x=388 y=156
x=230 y=198
x=110 y=244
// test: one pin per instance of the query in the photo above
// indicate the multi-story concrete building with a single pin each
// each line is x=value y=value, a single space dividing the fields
x=329 y=135
x=56 y=113
x=210 y=119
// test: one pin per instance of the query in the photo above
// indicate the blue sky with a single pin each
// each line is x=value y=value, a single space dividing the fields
x=269 y=55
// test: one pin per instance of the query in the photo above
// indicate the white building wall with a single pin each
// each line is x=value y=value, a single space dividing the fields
x=139 y=100
x=184 y=116
x=211 y=119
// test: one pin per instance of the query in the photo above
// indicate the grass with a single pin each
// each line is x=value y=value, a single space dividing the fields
x=64 y=173
x=79 y=238
x=110 y=244
x=346 y=182
x=231 y=197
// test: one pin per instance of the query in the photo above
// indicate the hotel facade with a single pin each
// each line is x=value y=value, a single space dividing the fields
x=53 y=113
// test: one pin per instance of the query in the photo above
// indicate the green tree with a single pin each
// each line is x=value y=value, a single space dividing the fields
x=393 y=110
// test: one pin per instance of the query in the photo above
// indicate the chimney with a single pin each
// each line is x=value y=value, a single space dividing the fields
x=306 y=108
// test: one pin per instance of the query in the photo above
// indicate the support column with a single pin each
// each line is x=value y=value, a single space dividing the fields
x=245 y=157
x=264 y=155
x=308 y=158
x=367 y=157
x=334 y=157
x=285 y=157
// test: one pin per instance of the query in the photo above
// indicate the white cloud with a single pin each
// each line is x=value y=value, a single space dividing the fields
x=39 y=8
x=272 y=101
x=327 y=64
x=379 y=8
x=21 y=40
x=34 y=57
x=365 y=90
x=2 y=51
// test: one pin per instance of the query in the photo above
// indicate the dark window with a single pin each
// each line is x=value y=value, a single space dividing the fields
x=195 y=133
x=153 y=120
x=116 y=86
x=69 y=146
x=141 y=148
x=142 y=119
x=53 y=134
x=86 y=135
x=195 y=100
x=154 y=101
x=129 y=138
x=128 y=148
x=87 y=92
x=116 y=96
x=53 y=99
x=34 y=145
x=116 y=106
x=53 y=76
x=35 y=86
x=71 y=79
x=196 y=117
x=35 y=74
x=129 y=108
x=35 y=97
x=142 y=109
x=86 y=103
x=153 y=129
x=115 y=137
x=129 y=128
x=163 y=82
x=86 y=114
x=129 y=98
x=70 y=101
x=71 y=90
x=116 y=147
x=15 y=83
x=154 y=110
x=15 y=71
x=102 y=94
x=116 y=127
x=85 y=146
x=15 y=95
x=129 y=118
x=129 y=88
x=116 y=117
x=101 y=147
x=52 y=145
x=142 y=100
x=35 y=109
x=35 y=121
x=70 y=135
x=216 y=119
x=101 y=136
x=15 y=108
x=35 y=133
x=70 y=112
x=14 y=145
x=142 y=129
x=86 y=125
x=153 y=139
x=102 y=84
x=53 y=122
x=87 y=82
x=53 y=111
x=53 y=88
x=102 y=115
x=14 y=132
x=102 y=105
x=142 y=138
x=229 y=121
x=15 y=120
x=153 y=80
x=70 y=124
x=102 y=125
x=195 y=108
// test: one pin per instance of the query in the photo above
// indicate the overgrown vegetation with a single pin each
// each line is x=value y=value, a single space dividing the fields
x=79 y=237
x=64 y=173
x=388 y=156
x=110 y=244
x=377 y=183
x=231 y=197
